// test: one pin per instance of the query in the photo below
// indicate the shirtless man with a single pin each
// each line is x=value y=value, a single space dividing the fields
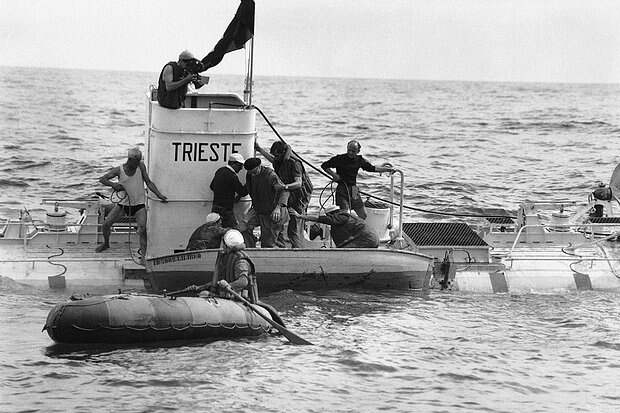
x=132 y=177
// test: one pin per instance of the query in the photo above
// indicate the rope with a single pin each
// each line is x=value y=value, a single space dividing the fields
x=320 y=171
x=64 y=267
x=115 y=198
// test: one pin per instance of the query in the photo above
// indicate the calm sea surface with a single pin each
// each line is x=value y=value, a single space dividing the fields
x=465 y=147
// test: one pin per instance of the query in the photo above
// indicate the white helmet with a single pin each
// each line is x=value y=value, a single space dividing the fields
x=332 y=208
x=213 y=217
x=233 y=239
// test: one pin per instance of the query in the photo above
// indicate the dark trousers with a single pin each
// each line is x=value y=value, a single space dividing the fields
x=228 y=217
x=294 y=231
x=348 y=198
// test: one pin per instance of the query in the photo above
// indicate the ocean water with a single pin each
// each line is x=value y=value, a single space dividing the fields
x=465 y=147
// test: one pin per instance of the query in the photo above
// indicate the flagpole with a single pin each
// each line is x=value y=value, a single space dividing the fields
x=247 y=93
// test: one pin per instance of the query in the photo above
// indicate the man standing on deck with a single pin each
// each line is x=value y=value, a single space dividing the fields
x=268 y=202
x=227 y=189
x=132 y=177
x=296 y=182
x=173 y=81
x=347 y=165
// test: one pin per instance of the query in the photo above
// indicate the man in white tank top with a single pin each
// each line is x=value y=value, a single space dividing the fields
x=131 y=177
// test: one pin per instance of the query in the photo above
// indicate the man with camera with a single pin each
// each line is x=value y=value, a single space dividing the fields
x=174 y=78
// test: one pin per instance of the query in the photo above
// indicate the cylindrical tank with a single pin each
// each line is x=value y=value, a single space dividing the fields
x=56 y=220
x=185 y=147
x=378 y=218
x=558 y=220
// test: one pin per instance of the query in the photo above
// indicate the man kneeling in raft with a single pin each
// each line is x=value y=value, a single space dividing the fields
x=347 y=231
x=233 y=269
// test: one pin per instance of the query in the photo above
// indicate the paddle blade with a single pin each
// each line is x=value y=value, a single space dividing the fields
x=290 y=336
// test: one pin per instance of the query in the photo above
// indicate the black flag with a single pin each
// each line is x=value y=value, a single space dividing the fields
x=239 y=31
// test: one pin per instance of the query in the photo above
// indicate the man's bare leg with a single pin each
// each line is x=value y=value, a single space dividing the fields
x=112 y=217
x=141 y=223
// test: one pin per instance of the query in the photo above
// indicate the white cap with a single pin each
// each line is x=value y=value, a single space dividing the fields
x=213 y=217
x=332 y=208
x=236 y=157
x=329 y=209
x=234 y=239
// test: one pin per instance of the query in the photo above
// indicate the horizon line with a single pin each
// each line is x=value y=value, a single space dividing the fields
x=557 y=82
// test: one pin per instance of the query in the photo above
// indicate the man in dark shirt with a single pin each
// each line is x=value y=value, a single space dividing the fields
x=296 y=182
x=268 y=201
x=347 y=231
x=227 y=189
x=347 y=165
x=173 y=80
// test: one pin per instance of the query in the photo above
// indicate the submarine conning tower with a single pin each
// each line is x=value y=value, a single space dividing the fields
x=184 y=148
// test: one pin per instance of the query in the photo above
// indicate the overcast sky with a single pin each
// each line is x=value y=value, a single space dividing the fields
x=504 y=40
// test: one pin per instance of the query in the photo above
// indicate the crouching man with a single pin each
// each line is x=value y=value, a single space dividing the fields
x=208 y=235
x=347 y=230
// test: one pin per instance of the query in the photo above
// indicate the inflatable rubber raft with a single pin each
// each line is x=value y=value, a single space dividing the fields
x=137 y=318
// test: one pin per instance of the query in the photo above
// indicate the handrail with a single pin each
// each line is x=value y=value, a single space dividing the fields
x=153 y=198
x=578 y=258
x=554 y=226
x=400 y=212
x=219 y=132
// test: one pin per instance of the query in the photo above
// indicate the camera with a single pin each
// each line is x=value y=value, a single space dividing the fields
x=194 y=67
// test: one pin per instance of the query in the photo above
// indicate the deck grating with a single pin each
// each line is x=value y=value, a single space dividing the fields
x=453 y=234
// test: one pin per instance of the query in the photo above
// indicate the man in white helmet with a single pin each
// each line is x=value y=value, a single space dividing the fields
x=208 y=235
x=234 y=269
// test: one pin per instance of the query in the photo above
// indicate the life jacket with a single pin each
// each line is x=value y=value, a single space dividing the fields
x=171 y=99
x=225 y=270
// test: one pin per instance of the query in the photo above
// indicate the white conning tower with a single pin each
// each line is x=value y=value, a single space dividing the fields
x=184 y=149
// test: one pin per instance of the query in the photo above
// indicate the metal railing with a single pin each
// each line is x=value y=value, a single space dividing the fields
x=555 y=226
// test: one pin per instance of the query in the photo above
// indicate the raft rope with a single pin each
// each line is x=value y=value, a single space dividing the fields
x=320 y=171
x=227 y=326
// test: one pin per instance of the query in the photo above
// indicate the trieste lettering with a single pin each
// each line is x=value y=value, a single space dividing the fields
x=204 y=151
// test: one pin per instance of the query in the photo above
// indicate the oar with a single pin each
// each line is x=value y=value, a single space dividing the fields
x=191 y=288
x=292 y=337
